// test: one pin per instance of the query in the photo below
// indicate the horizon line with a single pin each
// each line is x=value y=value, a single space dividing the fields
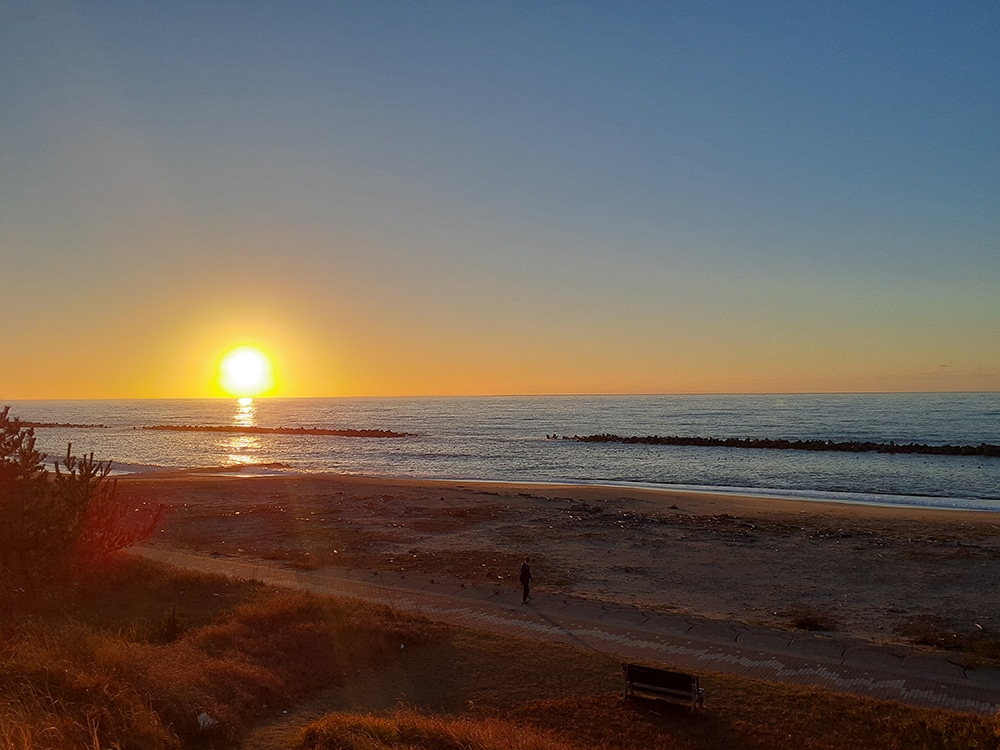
x=512 y=395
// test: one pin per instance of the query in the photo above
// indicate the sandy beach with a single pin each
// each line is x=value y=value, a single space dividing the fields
x=887 y=574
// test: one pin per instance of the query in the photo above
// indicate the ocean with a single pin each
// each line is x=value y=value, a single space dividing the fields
x=506 y=438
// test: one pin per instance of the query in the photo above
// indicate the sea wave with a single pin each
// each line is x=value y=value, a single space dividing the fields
x=503 y=439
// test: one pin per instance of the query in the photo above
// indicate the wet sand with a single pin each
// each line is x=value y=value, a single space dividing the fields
x=888 y=574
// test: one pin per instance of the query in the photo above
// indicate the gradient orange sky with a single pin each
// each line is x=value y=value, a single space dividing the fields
x=446 y=198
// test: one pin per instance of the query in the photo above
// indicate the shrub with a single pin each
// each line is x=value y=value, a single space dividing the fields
x=54 y=523
x=22 y=488
x=811 y=619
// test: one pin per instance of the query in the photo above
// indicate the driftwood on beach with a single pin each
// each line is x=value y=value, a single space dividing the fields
x=250 y=430
x=851 y=446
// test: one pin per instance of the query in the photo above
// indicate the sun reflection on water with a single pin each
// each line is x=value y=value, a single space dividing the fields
x=243 y=449
x=246 y=413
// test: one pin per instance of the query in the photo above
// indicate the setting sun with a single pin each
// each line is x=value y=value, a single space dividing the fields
x=246 y=372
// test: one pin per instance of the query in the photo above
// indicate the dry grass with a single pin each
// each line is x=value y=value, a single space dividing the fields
x=134 y=661
x=60 y=690
x=574 y=697
x=406 y=730
x=976 y=644
x=756 y=716
x=98 y=677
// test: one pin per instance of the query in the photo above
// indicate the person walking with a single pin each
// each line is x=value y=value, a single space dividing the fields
x=525 y=579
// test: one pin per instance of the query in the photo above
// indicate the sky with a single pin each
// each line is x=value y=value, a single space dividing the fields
x=484 y=198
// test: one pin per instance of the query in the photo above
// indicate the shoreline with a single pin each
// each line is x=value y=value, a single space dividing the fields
x=739 y=495
x=810 y=499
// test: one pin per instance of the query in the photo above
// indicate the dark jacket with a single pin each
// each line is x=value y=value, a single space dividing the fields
x=525 y=573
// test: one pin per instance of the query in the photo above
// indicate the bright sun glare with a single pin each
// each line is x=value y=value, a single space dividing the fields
x=246 y=372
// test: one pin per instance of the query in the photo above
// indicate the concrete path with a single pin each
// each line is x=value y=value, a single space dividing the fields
x=838 y=662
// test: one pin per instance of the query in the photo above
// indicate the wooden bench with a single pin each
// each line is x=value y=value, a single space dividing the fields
x=662 y=683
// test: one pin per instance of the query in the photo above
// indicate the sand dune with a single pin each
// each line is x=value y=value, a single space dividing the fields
x=883 y=573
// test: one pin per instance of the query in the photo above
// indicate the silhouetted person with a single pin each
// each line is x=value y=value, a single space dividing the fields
x=525 y=579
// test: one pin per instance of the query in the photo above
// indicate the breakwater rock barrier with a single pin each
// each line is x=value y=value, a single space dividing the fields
x=251 y=430
x=849 y=446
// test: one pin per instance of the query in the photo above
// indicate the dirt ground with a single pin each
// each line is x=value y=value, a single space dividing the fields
x=888 y=574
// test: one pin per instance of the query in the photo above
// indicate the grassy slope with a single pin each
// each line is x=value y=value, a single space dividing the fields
x=574 y=697
x=134 y=660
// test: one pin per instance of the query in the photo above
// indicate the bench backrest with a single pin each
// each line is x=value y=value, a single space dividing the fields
x=661 y=678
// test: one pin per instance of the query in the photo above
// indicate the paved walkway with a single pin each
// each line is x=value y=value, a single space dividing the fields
x=841 y=663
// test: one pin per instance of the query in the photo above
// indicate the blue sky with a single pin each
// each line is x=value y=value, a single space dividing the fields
x=422 y=198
